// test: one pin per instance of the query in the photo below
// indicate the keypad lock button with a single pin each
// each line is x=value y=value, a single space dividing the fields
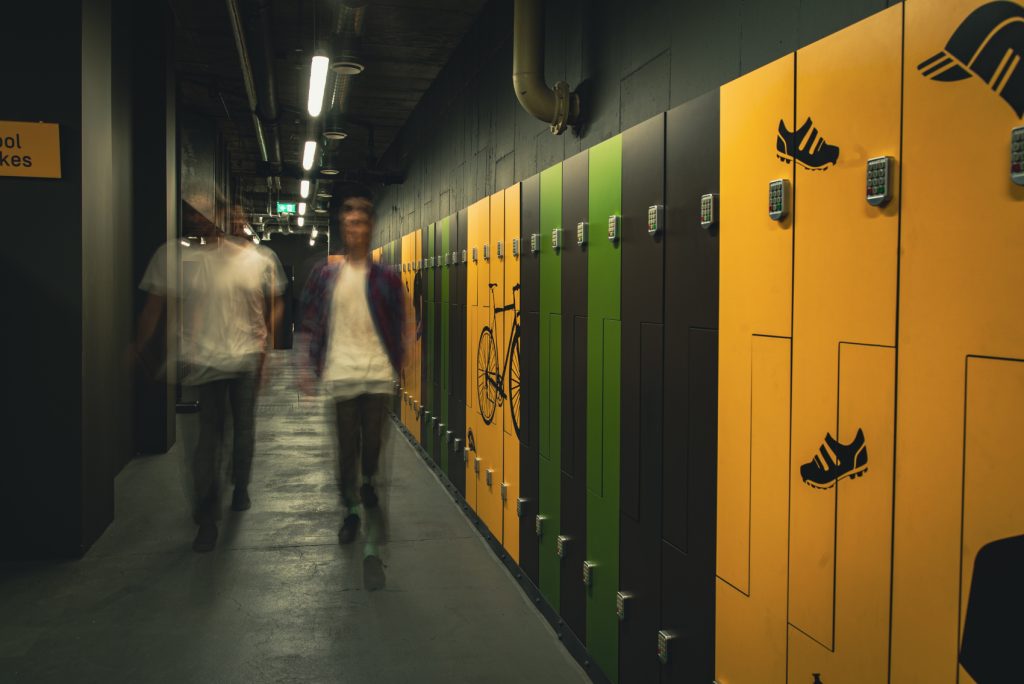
x=655 y=218
x=665 y=639
x=614 y=222
x=778 y=199
x=581 y=233
x=708 y=210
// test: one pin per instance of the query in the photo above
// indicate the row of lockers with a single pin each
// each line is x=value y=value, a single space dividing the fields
x=738 y=389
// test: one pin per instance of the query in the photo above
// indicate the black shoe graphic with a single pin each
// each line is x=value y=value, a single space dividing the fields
x=988 y=44
x=806 y=147
x=834 y=461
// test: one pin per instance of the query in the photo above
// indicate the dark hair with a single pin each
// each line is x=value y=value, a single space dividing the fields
x=345 y=192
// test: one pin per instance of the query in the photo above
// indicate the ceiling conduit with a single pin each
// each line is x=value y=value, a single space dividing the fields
x=558 y=106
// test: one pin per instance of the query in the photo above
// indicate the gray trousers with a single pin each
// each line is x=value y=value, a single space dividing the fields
x=214 y=397
x=360 y=426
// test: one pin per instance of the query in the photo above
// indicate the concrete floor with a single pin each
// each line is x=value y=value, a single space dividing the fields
x=278 y=600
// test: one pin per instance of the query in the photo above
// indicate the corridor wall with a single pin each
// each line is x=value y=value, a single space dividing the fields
x=764 y=432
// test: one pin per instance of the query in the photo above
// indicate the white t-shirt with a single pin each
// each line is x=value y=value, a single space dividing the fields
x=357 y=361
x=223 y=288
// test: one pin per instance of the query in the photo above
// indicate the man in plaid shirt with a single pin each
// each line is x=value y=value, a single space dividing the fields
x=353 y=317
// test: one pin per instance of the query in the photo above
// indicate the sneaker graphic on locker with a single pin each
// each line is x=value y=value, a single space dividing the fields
x=806 y=147
x=834 y=461
x=988 y=44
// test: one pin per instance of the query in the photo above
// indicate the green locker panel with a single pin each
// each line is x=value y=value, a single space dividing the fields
x=445 y=371
x=604 y=274
x=549 y=506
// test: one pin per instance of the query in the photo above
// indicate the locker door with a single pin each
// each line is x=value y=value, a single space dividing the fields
x=488 y=364
x=511 y=365
x=436 y=335
x=691 y=379
x=429 y=344
x=452 y=399
x=550 y=447
x=479 y=221
x=960 y=285
x=844 y=298
x=458 y=467
x=529 y=549
x=755 y=328
x=604 y=274
x=420 y=294
x=643 y=296
x=444 y=299
x=573 y=524
x=409 y=249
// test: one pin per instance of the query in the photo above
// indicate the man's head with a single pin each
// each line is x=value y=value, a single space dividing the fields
x=353 y=213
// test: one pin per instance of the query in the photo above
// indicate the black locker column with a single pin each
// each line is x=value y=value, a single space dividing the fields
x=456 y=469
x=426 y=325
x=574 y=394
x=436 y=272
x=529 y=389
x=457 y=465
x=689 y=470
x=643 y=280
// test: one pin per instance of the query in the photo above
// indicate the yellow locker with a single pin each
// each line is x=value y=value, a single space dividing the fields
x=479 y=220
x=487 y=355
x=417 y=375
x=844 y=317
x=410 y=314
x=755 y=326
x=961 y=281
x=509 y=355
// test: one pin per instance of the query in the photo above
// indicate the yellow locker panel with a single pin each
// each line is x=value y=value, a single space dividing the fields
x=487 y=355
x=750 y=638
x=844 y=291
x=417 y=375
x=993 y=517
x=962 y=246
x=755 y=287
x=477 y=230
x=860 y=524
x=509 y=353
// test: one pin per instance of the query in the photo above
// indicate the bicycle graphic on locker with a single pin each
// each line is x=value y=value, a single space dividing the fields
x=490 y=382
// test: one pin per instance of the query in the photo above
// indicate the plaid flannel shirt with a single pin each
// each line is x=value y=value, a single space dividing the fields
x=387 y=309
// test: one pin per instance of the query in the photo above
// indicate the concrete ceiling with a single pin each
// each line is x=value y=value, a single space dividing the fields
x=405 y=44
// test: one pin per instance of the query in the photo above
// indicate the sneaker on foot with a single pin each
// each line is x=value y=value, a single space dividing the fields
x=373 y=573
x=349 y=529
x=368 y=495
x=206 y=537
x=240 y=499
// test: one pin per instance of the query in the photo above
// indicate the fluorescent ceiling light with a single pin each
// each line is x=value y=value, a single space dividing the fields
x=312 y=242
x=301 y=221
x=317 y=83
x=314 y=233
x=308 y=153
x=186 y=243
x=255 y=240
x=304 y=189
x=302 y=208
x=247 y=228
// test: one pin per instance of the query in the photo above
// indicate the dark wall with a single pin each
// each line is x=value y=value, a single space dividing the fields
x=469 y=137
x=294 y=251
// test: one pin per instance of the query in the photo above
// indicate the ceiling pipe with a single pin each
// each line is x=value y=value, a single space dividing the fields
x=247 y=79
x=558 y=106
x=267 y=89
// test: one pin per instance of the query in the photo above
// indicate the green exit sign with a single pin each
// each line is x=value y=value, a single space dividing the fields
x=286 y=207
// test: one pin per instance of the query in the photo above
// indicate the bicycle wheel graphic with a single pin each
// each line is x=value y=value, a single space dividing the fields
x=513 y=380
x=487 y=374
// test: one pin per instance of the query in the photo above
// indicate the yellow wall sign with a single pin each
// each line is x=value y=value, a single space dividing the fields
x=31 y=150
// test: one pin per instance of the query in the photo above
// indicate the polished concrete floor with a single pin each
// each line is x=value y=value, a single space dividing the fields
x=278 y=600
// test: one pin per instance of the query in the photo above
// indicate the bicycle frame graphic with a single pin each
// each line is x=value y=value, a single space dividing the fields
x=490 y=382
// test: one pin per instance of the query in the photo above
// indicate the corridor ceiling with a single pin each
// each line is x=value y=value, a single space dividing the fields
x=405 y=44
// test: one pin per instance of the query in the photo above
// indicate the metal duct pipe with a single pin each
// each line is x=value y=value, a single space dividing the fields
x=558 y=107
x=250 y=88
x=267 y=89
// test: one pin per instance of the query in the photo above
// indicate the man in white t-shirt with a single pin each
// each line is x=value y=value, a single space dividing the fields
x=229 y=290
x=354 y=323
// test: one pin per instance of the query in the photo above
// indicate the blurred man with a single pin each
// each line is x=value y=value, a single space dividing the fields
x=230 y=291
x=354 y=320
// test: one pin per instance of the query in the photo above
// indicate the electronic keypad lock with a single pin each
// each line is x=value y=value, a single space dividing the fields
x=562 y=545
x=778 y=199
x=465 y=455
x=538 y=525
x=655 y=218
x=500 y=249
x=581 y=233
x=504 y=491
x=556 y=239
x=520 y=506
x=707 y=210
x=1017 y=155
x=879 y=181
x=463 y=256
x=614 y=222
x=665 y=639
x=487 y=252
x=475 y=254
x=476 y=464
x=588 y=573
x=515 y=247
x=489 y=476
x=440 y=428
x=622 y=601
x=535 y=242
